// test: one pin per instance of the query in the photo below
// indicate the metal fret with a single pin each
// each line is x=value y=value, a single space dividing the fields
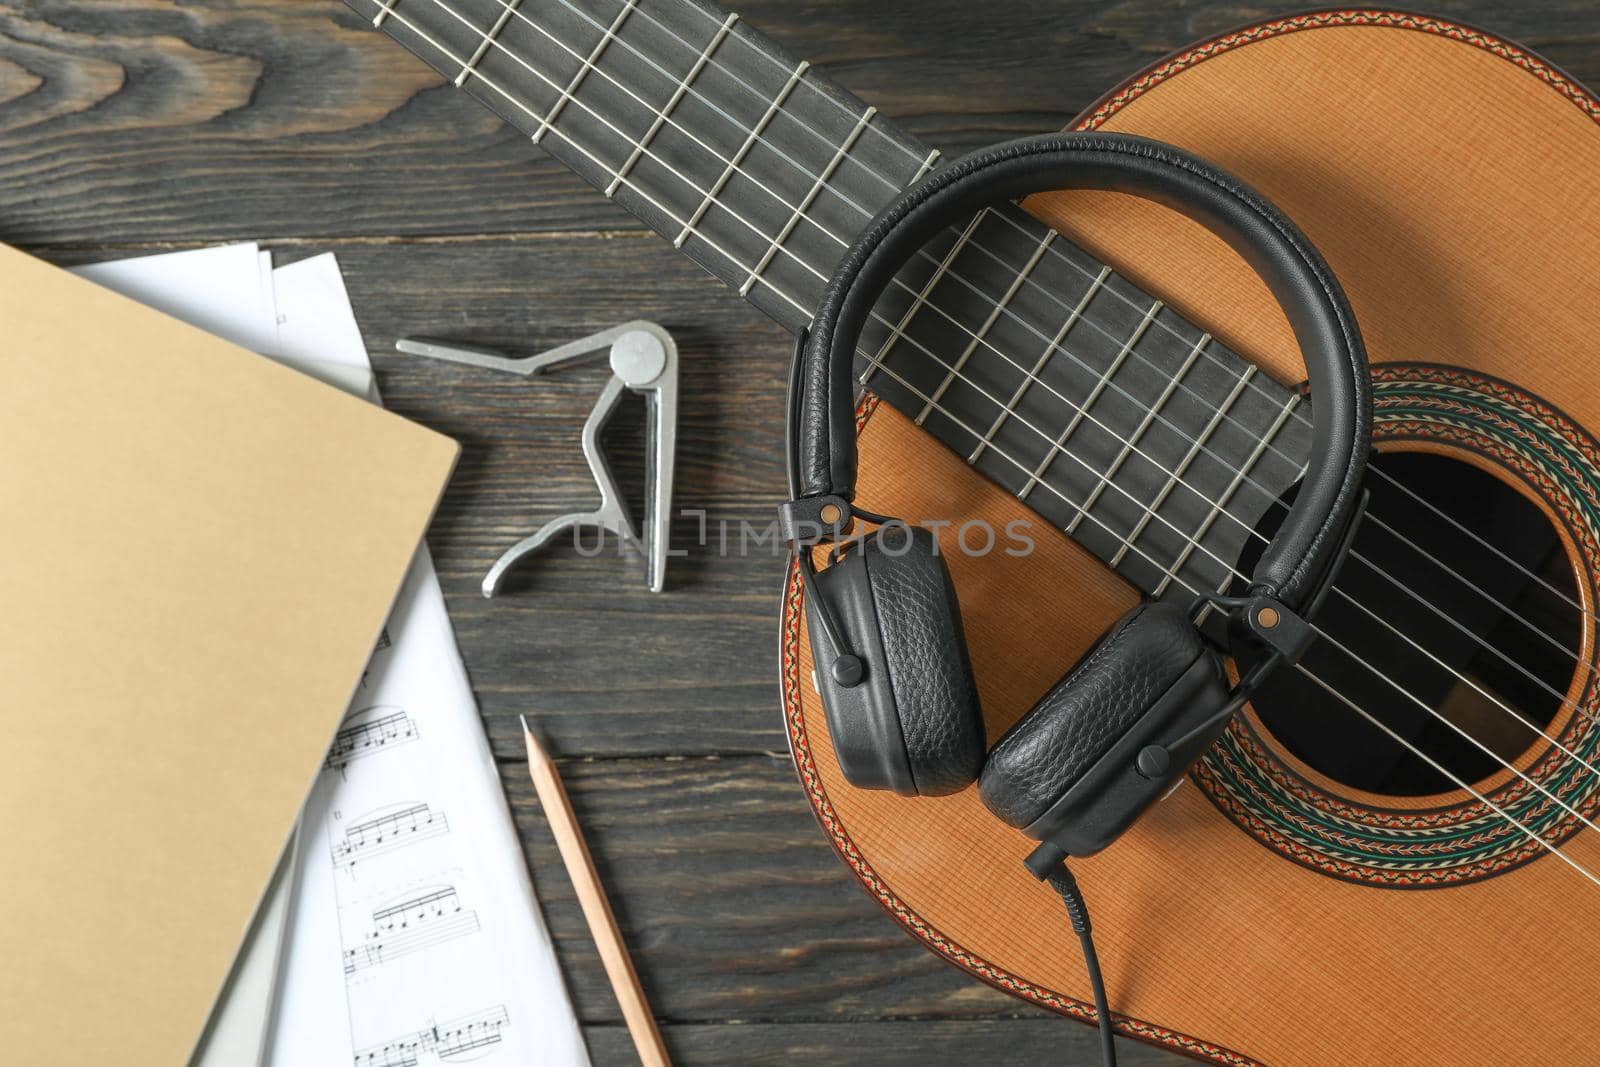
x=488 y=41
x=577 y=78
x=683 y=87
x=927 y=165
x=1195 y=448
x=384 y=7
x=982 y=332
x=1221 y=502
x=744 y=150
x=805 y=205
x=1132 y=442
x=1038 y=365
x=1083 y=409
x=921 y=298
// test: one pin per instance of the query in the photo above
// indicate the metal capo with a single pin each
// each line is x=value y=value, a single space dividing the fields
x=643 y=359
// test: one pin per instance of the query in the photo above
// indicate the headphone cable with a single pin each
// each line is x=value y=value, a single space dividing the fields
x=1062 y=881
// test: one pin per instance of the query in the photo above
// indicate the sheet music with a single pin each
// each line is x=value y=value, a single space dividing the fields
x=416 y=937
x=416 y=921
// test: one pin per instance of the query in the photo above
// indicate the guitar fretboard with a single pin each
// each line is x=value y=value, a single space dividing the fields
x=1107 y=413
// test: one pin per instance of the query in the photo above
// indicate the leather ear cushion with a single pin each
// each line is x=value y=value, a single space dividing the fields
x=1036 y=761
x=926 y=653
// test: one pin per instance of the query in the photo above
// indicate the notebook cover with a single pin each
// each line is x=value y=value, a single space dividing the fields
x=199 y=550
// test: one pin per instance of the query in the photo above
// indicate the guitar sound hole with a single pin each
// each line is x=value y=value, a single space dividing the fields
x=1490 y=625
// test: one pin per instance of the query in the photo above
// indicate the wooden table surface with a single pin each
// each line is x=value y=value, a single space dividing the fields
x=133 y=126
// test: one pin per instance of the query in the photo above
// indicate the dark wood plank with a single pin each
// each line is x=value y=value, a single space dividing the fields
x=730 y=901
x=735 y=911
x=291 y=118
x=882 y=1044
x=615 y=669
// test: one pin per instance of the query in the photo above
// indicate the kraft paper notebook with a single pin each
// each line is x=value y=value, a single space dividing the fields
x=199 y=550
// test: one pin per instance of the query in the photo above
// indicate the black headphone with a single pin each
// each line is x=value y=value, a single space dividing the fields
x=1144 y=703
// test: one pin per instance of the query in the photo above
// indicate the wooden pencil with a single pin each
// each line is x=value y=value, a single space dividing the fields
x=596 y=907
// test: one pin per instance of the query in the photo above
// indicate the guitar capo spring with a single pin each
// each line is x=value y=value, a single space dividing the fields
x=644 y=360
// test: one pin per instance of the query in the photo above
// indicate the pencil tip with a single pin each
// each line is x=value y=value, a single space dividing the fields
x=536 y=752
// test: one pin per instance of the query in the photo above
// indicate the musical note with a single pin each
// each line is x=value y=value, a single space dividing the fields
x=455 y=1041
x=401 y=1053
x=420 y=922
x=387 y=829
x=370 y=731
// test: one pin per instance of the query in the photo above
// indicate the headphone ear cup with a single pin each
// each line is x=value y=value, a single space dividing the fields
x=1082 y=716
x=925 y=652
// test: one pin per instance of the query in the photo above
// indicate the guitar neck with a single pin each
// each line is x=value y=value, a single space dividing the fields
x=1107 y=413
x=687 y=117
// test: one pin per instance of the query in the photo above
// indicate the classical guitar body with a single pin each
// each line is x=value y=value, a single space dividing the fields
x=1288 y=905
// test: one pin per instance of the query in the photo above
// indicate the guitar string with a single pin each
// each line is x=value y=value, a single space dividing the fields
x=434 y=43
x=1262 y=391
x=1538 y=838
x=733 y=166
x=1390 y=682
x=1177 y=479
x=1582 y=668
x=1273 y=447
x=1301 y=418
x=1245 y=478
x=1222 y=509
x=1057 y=449
x=622 y=179
x=705 y=59
x=817 y=89
x=895 y=186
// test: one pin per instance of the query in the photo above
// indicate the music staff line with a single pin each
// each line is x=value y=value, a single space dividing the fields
x=368 y=732
x=398 y=930
x=386 y=830
x=447 y=1041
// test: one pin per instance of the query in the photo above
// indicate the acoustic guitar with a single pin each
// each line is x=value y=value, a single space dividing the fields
x=1392 y=856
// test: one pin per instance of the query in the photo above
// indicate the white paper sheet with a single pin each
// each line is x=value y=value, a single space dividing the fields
x=220 y=290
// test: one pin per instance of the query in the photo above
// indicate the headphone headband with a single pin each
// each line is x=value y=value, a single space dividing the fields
x=1307 y=545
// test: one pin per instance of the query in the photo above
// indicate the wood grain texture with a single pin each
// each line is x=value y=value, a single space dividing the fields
x=141 y=125
x=889 y=1044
